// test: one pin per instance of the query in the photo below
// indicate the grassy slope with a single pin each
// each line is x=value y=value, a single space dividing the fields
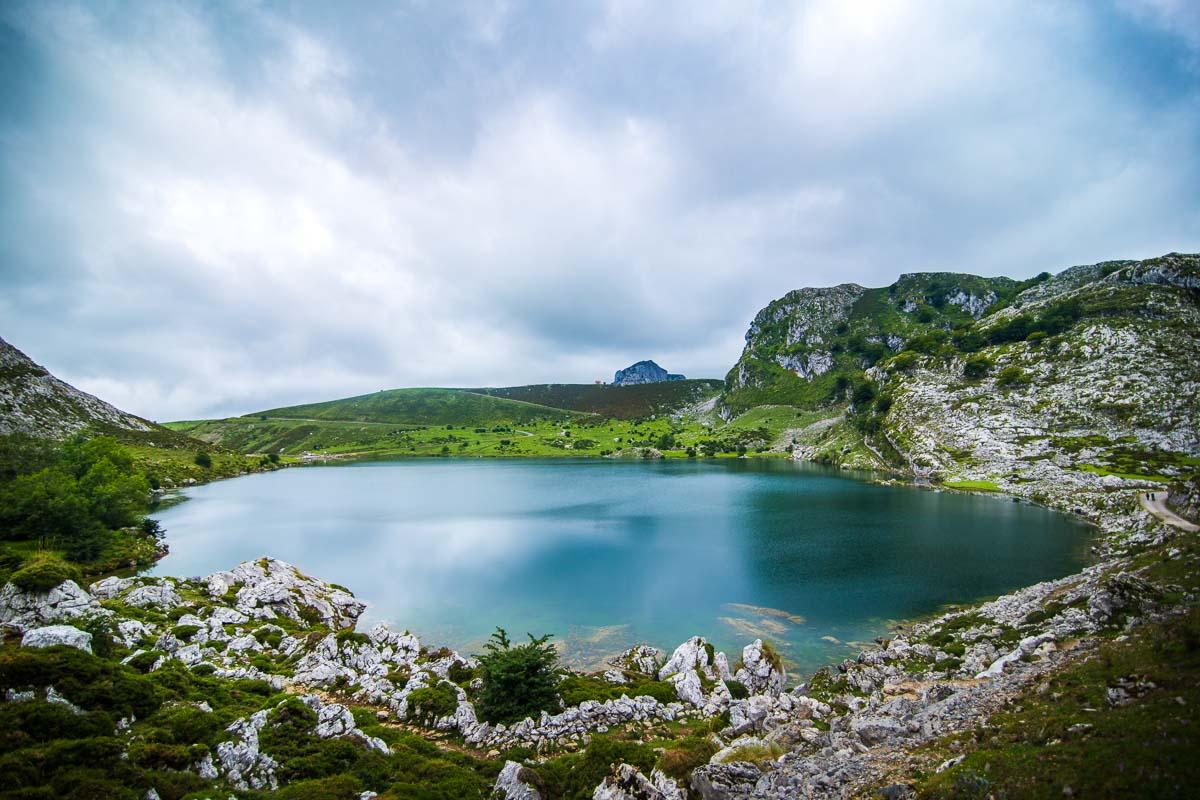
x=422 y=407
x=620 y=402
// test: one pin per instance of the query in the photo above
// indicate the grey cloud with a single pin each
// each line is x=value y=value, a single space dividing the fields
x=213 y=209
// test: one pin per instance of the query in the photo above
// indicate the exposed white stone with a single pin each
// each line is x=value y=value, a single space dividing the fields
x=759 y=675
x=21 y=610
x=628 y=783
x=509 y=785
x=52 y=635
x=158 y=595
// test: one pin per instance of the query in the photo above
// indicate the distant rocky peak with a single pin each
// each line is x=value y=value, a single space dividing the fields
x=643 y=372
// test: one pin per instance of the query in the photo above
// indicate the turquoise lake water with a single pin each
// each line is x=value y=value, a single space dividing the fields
x=607 y=553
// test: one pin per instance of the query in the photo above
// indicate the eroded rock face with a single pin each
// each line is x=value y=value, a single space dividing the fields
x=245 y=767
x=726 y=781
x=22 y=610
x=694 y=654
x=759 y=673
x=53 y=635
x=639 y=658
x=269 y=587
x=514 y=783
x=628 y=783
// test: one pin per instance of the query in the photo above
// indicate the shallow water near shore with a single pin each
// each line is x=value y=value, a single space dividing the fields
x=606 y=553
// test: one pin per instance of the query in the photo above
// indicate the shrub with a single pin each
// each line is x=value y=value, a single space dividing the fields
x=203 y=460
x=517 y=681
x=977 y=367
x=904 y=360
x=737 y=689
x=578 y=774
x=185 y=632
x=43 y=573
x=428 y=704
x=460 y=673
x=883 y=403
x=1012 y=377
x=351 y=636
x=575 y=689
x=336 y=787
x=864 y=393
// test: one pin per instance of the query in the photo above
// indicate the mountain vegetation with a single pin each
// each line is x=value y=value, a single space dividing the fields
x=1076 y=391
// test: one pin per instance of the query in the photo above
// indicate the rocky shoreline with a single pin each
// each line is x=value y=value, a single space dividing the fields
x=832 y=736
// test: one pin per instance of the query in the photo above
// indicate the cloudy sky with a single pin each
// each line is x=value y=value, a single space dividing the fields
x=211 y=208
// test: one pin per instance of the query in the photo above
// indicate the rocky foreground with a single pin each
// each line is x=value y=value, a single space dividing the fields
x=836 y=734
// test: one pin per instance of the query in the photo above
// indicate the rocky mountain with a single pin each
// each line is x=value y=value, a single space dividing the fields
x=803 y=347
x=1063 y=391
x=34 y=402
x=643 y=372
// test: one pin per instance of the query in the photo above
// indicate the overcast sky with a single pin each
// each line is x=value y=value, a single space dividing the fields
x=212 y=208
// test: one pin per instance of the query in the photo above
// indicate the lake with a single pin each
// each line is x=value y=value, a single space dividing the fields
x=605 y=553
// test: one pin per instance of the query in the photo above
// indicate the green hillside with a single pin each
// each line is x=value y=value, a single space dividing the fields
x=806 y=348
x=618 y=402
x=422 y=407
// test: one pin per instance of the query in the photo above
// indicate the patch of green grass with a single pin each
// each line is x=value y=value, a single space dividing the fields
x=1068 y=734
x=973 y=486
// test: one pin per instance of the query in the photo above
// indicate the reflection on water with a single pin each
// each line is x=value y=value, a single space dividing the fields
x=604 y=554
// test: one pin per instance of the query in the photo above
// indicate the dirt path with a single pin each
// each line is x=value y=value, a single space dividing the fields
x=1156 y=504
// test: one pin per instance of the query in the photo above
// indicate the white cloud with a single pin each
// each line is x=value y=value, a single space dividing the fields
x=238 y=226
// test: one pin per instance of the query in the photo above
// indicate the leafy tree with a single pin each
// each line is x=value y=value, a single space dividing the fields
x=47 y=506
x=518 y=681
x=203 y=460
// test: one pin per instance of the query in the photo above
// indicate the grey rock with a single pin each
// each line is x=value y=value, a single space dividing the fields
x=758 y=674
x=734 y=781
x=52 y=635
x=639 y=658
x=628 y=783
x=53 y=696
x=513 y=783
x=643 y=372
x=21 y=610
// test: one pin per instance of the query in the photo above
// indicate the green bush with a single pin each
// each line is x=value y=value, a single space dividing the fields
x=428 y=704
x=575 y=776
x=203 y=460
x=517 y=681
x=43 y=573
x=185 y=632
x=737 y=689
x=336 y=787
x=1012 y=377
x=977 y=367
x=682 y=757
x=352 y=636
x=86 y=680
x=575 y=689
